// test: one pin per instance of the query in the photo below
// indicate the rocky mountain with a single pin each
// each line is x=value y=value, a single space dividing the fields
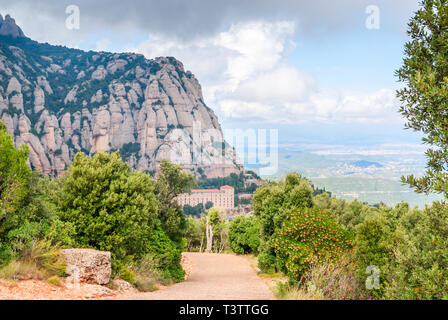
x=62 y=101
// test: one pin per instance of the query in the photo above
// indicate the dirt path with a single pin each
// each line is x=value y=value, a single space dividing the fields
x=214 y=277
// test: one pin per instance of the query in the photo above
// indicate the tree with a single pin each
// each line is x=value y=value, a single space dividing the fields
x=208 y=205
x=347 y=214
x=193 y=211
x=15 y=179
x=172 y=181
x=15 y=174
x=425 y=95
x=216 y=231
x=111 y=207
x=195 y=234
x=244 y=235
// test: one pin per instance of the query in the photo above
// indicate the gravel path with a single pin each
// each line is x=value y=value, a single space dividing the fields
x=214 y=277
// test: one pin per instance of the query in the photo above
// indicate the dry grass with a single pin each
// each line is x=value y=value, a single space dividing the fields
x=39 y=261
x=22 y=270
x=325 y=281
x=55 y=280
x=329 y=281
x=335 y=281
x=285 y=291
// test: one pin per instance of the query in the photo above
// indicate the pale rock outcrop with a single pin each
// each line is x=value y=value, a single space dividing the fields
x=99 y=74
x=66 y=126
x=8 y=27
x=115 y=65
x=98 y=97
x=100 y=134
x=9 y=123
x=42 y=81
x=14 y=86
x=81 y=75
x=71 y=96
x=3 y=104
x=39 y=99
x=17 y=101
x=88 y=265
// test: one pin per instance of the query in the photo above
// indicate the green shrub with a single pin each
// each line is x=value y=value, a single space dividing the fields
x=373 y=247
x=172 y=181
x=244 y=235
x=15 y=179
x=308 y=237
x=419 y=255
x=347 y=214
x=195 y=234
x=127 y=275
x=110 y=207
x=164 y=256
x=272 y=202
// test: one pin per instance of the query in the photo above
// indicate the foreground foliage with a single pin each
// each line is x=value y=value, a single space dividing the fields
x=111 y=207
x=271 y=203
x=307 y=238
x=424 y=97
x=244 y=235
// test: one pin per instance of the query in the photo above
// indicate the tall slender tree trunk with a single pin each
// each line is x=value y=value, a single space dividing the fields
x=209 y=235
x=202 y=243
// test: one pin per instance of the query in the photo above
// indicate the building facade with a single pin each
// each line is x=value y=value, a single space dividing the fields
x=222 y=198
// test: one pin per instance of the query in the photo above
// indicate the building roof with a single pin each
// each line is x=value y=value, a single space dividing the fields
x=204 y=190
x=211 y=190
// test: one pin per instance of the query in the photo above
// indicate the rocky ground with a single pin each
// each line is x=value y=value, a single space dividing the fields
x=42 y=290
x=208 y=277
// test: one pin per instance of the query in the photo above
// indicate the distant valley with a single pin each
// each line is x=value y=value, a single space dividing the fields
x=370 y=174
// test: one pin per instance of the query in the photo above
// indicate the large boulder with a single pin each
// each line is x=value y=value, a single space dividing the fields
x=88 y=265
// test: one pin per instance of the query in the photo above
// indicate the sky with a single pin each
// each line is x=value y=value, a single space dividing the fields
x=311 y=69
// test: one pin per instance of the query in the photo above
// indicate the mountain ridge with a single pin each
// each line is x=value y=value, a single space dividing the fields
x=60 y=101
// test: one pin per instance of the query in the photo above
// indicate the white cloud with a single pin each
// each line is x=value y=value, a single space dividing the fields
x=283 y=83
x=245 y=75
x=257 y=46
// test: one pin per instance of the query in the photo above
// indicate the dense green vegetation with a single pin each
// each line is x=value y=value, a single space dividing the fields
x=98 y=203
x=308 y=237
x=328 y=247
x=110 y=207
x=272 y=204
x=244 y=235
x=196 y=234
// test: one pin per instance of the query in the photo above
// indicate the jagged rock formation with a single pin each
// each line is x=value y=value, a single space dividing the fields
x=8 y=27
x=61 y=101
